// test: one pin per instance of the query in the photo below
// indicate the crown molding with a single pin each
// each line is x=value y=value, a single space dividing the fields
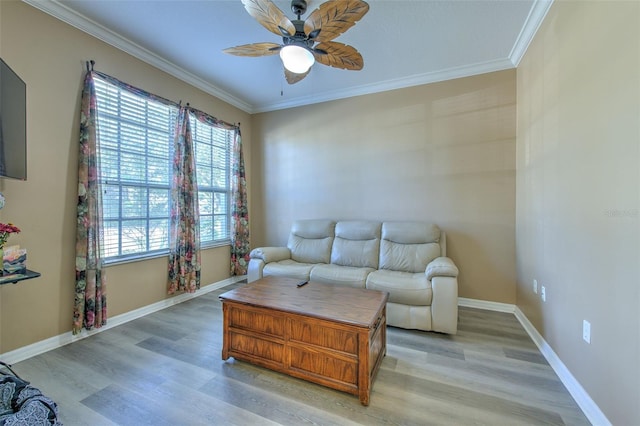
x=81 y=22
x=534 y=20
x=400 y=83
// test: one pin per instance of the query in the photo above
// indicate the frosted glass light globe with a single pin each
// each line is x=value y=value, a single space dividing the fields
x=297 y=59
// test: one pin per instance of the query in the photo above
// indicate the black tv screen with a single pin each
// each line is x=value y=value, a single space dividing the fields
x=13 y=124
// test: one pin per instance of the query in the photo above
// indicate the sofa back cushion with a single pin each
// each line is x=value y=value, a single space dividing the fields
x=357 y=244
x=408 y=246
x=310 y=240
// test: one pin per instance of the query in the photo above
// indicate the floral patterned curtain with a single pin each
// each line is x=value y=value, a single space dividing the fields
x=239 y=210
x=239 y=207
x=90 y=306
x=184 y=230
x=184 y=233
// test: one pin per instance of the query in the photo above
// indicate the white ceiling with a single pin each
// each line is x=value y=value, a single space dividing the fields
x=404 y=43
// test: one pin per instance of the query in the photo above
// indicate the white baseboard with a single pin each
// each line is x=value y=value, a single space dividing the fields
x=582 y=398
x=46 y=345
x=484 y=304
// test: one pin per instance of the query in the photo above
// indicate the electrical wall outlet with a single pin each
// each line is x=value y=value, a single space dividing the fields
x=535 y=286
x=586 y=331
x=543 y=293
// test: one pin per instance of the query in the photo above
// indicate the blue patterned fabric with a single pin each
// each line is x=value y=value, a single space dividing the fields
x=23 y=405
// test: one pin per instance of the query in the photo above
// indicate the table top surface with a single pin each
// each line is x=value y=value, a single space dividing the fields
x=355 y=306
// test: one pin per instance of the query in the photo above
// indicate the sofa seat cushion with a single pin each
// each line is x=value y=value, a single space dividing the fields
x=403 y=287
x=288 y=268
x=343 y=275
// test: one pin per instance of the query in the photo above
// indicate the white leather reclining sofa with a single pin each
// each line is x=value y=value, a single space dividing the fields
x=406 y=259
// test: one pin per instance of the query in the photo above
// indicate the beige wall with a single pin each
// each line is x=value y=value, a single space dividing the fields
x=50 y=55
x=441 y=152
x=578 y=183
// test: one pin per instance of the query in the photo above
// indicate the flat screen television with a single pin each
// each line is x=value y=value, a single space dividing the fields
x=13 y=124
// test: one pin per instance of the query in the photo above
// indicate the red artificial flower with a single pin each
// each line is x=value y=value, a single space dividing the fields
x=7 y=229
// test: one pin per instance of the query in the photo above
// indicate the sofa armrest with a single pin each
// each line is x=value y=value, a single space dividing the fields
x=270 y=254
x=441 y=267
x=444 y=306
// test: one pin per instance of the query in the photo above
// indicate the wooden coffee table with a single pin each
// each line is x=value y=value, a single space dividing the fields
x=327 y=334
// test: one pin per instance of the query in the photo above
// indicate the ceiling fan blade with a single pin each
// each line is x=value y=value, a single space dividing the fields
x=334 y=17
x=339 y=55
x=293 y=78
x=254 y=49
x=269 y=16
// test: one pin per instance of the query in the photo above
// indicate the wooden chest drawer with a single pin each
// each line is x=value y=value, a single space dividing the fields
x=257 y=320
x=320 y=334
x=253 y=345
x=326 y=367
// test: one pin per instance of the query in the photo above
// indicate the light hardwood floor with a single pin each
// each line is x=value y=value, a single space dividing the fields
x=166 y=369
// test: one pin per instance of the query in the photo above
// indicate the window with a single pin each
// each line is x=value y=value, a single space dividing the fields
x=213 y=147
x=136 y=139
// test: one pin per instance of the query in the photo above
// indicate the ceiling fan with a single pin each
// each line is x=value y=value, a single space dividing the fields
x=308 y=41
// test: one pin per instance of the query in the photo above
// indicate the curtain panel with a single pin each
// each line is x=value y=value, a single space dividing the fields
x=239 y=210
x=184 y=231
x=90 y=305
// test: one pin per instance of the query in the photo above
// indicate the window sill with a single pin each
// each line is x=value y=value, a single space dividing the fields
x=165 y=253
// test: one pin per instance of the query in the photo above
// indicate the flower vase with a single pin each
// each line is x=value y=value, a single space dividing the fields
x=2 y=258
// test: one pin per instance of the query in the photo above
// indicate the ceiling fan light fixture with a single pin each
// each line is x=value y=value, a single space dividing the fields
x=308 y=40
x=297 y=59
